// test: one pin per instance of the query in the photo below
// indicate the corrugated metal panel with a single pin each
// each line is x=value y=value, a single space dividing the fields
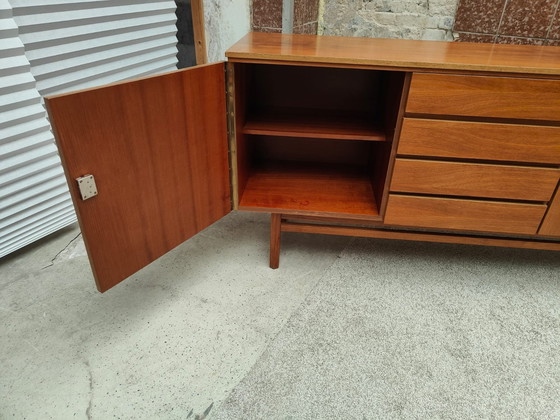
x=32 y=188
x=54 y=46
x=78 y=44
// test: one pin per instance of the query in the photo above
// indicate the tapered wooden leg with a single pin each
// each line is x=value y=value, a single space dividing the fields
x=275 y=226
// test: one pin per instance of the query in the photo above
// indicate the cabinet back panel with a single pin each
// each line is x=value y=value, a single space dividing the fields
x=315 y=88
x=310 y=150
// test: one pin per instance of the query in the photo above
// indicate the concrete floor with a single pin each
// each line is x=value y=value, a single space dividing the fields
x=170 y=342
x=410 y=330
x=346 y=328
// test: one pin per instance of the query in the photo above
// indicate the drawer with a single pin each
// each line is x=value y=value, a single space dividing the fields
x=474 y=140
x=551 y=223
x=484 y=96
x=474 y=180
x=460 y=214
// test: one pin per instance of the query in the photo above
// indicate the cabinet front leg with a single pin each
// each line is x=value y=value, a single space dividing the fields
x=275 y=232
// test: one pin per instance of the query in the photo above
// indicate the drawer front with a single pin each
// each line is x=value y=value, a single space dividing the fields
x=458 y=214
x=474 y=180
x=474 y=140
x=484 y=96
x=551 y=223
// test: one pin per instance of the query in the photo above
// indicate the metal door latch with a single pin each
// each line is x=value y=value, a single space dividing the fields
x=87 y=187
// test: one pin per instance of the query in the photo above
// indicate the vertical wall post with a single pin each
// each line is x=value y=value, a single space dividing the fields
x=199 y=33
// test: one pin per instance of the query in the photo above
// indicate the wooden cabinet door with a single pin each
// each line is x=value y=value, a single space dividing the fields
x=157 y=148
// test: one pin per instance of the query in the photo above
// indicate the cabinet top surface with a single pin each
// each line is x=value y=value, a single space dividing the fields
x=397 y=53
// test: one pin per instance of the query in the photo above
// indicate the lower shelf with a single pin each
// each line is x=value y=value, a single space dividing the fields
x=310 y=189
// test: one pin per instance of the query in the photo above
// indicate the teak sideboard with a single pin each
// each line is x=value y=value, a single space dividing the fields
x=419 y=140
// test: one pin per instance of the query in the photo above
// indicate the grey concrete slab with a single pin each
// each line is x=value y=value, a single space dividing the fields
x=398 y=330
x=167 y=343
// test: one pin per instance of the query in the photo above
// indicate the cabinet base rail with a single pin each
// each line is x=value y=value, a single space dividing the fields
x=289 y=223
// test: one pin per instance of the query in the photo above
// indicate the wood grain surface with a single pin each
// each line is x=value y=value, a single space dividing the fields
x=320 y=125
x=475 y=140
x=308 y=188
x=157 y=148
x=448 y=238
x=197 y=15
x=482 y=96
x=397 y=53
x=471 y=215
x=232 y=121
x=275 y=237
x=551 y=222
x=239 y=145
x=474 y=180
x=384 y=167
x=310 y=150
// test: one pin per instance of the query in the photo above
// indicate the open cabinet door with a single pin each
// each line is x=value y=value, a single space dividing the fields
x=157 y=149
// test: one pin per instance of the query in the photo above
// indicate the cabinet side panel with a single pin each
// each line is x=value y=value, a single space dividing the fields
x=157 y=148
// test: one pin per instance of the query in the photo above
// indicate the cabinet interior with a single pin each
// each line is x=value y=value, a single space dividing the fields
x=314 y=139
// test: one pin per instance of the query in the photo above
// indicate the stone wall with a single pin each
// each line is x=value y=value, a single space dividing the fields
x=409 y=19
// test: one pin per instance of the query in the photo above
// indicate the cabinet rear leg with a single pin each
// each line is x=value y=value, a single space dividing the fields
x=275 y=232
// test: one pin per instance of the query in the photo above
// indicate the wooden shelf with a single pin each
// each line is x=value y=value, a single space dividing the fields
x=310 y=188
x=313 y=124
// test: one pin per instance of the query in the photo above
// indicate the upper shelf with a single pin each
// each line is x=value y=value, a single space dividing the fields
x=316 y=124
x=397 y=53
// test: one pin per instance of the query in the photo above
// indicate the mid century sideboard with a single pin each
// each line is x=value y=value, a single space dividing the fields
x=419 y=140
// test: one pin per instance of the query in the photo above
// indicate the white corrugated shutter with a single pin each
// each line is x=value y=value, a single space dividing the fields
x=54 y=46
x=77 y=44
x=33 y=194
